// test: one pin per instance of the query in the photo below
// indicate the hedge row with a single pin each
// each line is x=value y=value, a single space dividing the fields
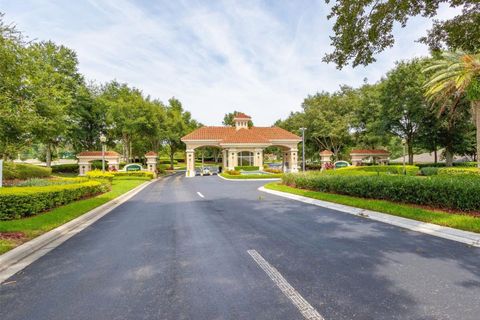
x=442 y=164
x=373 y=170
x=450 y=171
x=247 y=168
x=23 y=171
x=65 y=168
x=19 y=202
x=458 y=193
x=143 y=174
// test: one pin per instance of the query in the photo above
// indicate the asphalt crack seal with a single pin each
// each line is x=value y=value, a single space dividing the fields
x=298 y=301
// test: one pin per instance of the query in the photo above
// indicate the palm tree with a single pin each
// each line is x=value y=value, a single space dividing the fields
x=454 y=76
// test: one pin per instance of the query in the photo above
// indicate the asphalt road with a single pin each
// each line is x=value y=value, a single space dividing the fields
x=178 y=250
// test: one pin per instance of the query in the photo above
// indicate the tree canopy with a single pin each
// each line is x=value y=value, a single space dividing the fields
x=364 y=28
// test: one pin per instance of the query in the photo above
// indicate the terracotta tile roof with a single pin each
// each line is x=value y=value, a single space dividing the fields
x=245 y=136
x=97 y=153
x=231 y=135
x=367 y=151
x=326 y=152
x=151 y=153
x=242 y=115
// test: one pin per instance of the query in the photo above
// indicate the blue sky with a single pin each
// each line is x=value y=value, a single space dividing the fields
x=259 y=57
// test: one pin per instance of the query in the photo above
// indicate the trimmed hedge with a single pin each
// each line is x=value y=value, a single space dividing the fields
x=373 y=170
x=142 y=174
x=459 y=193
x=451 y=171
x=98 y=174
x=65 y=168
x=19 y=202
x=247 y=168
x=23 y=171
x=429 y=171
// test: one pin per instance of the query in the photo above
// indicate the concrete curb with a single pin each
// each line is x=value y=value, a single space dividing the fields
x=18 y=258
x=243 y=180
x=469 y=238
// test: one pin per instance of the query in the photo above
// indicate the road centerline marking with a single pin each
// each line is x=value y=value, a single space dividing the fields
x=200 y=195
x=305 y=308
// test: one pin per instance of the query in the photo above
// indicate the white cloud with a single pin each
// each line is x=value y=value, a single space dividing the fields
x=262 y=59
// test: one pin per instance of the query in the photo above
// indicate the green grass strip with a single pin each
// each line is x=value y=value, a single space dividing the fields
x=39 y=224
x=457 y=221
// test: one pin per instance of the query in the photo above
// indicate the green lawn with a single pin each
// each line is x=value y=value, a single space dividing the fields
x=252 y=176
x=36 y=225
x=458 y=221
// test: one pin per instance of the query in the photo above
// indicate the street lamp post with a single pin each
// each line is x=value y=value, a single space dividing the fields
x=404 y=142
x=303 y=147
x=103 y=139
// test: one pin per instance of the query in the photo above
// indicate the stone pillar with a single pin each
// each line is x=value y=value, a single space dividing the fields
x=190 y=154
x=151 y=162
x=293 y=160
x=258 y=158
x=84 y=167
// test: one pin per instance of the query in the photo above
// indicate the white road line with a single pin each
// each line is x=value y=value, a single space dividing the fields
x=201 y=195
x=305 y=308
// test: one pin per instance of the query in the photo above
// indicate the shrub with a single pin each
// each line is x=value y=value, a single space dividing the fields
x=167 y=161
x=18 y=202
x=429 y=171
x=133 y=174
x=313 y=166
x=23 y=171
x=98 y=174
x=361 y=170
x=35 y=182
x=65 y=168
x=273 y=170
x=454 y=171
x=233 y=172
x=247 y=168
x=437 y=191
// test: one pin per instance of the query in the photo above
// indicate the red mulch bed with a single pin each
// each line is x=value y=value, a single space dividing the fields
x=12 y=235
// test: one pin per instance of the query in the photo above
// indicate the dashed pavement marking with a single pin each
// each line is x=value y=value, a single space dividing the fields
x=308 y=312
x=200 y=195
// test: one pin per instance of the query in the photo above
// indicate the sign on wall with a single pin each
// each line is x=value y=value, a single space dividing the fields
x=133 y=167
x=341 y=164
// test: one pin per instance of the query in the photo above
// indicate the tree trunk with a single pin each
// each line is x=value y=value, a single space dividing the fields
x=172 y=154
x=410 y=153
x=476 y=112
x=448 y=157
x=435 y=155
x=48 y=160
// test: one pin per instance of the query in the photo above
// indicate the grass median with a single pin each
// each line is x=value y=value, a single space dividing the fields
x=455 y=220
x=15 y=232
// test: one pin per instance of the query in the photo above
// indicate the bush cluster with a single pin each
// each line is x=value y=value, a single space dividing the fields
x=429 y=171
x=373 y=170
x=19 y=202
x=98 y=174
x=233 y=172
x=136 y=174
x=247 y=168
x=452 y=171
x=459 y=193
x=23 y=171
x=271 y=170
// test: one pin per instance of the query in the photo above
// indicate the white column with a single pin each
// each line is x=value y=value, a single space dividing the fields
x=224 y=159
x=232 y=159
x=190 y=154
